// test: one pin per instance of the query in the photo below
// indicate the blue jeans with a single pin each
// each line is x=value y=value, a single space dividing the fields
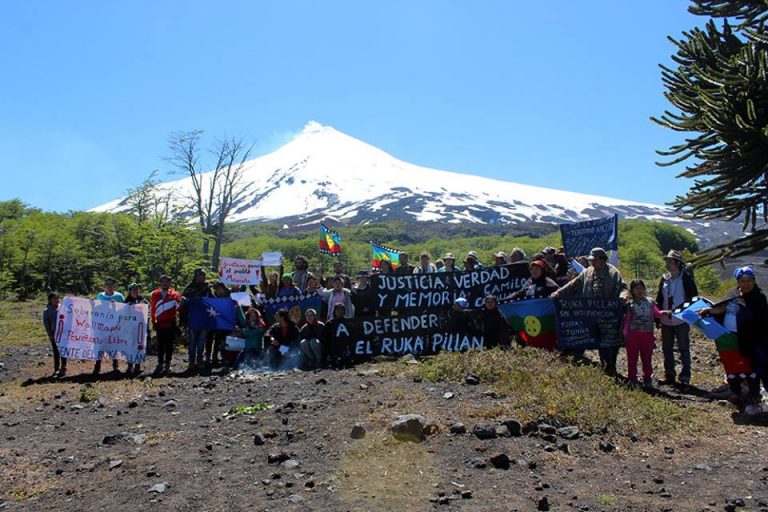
x=196 y=345
x=681 y=333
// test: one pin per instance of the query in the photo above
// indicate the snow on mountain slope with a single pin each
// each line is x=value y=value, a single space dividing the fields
x=326 y=173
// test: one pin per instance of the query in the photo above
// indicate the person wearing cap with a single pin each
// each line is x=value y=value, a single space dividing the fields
x=197 y=289
x=745 y=312
x=163 y=306
x=111 y=295
x=676 y=287
x=459 y=320
x=500 y=258
x=471 y=262
x=439 y=263
x=517 y=254
x=538 y=286
x=363 y=298
x=403 y=267
x=135 y=297
x=449 y=263
x=287 y=288
x=600 y=280
x=424 y=266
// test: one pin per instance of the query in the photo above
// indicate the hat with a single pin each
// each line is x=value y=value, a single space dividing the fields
x=744 y=272
x=538 y=263
x=462 y=303
x=287 y=276
x=362 y=273
x=472 y=254
x=598 y=253
x=501 y=254
x=199 y=272
x=423 y=254
x=549 y=250
x=674 y=255
x=133 y=286
x=449 y=256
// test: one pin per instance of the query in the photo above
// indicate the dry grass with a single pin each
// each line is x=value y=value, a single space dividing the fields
x=21 y=323
x=380 y=473
x=540 y=385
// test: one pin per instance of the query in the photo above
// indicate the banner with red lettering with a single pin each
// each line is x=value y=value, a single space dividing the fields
x=96 y=329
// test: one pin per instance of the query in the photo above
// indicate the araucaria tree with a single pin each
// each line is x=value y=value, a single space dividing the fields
x=719 y=91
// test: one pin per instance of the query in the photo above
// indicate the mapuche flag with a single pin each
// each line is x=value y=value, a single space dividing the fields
x=212 y=313
x=533 y=320
x=382 y=253
x=330 y=241
x=726 y=342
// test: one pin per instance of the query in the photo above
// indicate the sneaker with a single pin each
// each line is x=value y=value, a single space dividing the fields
x=62 y=372
x=648 y=385
x=158 y=369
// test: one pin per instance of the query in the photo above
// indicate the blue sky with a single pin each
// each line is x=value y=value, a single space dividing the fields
x=551 y=93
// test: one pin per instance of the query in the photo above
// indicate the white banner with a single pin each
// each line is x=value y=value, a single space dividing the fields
x=236 y=271
x=97 y=329
x=272 y=259
x=242 y=298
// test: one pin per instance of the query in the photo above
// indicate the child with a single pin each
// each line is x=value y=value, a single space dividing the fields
x=49 y=322
x=253 y=330
x=638 y=333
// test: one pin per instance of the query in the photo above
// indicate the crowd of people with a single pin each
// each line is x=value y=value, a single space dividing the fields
x=312 y=340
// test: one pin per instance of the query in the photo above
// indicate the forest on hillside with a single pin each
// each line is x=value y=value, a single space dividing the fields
x=73 y=252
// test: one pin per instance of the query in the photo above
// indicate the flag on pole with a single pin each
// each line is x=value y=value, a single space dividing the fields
x=533 y=321
x=330 y=241
x=383 y=253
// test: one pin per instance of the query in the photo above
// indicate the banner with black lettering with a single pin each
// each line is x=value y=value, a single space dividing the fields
x=418 y=334
x=581 y=237
x=588 y=323
x=435 y=291
x=99 y=329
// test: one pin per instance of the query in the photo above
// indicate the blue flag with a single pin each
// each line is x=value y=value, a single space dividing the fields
x=212 y=313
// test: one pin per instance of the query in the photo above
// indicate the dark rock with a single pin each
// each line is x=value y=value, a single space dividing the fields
x=431 y=428
x=321 y=381
x=259 y=439
x=409 y=427
x=276 y=458
x=458 y=429
x=466 y=495
x=669 y=450
x=530 y=428
x=443 y=500
x=132 y=404
x=515 y=427
x=500 y=461
x=358 y=432
x=569 y=433
x=484 y=431
x=115 y=439
x=546 y=428
x=564 y=447
x=658 y=480
x=543 y=504
x=472 y=379
x=549 y=438
x=606 y=446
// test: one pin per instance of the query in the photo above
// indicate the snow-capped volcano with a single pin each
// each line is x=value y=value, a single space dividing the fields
x=325 y=173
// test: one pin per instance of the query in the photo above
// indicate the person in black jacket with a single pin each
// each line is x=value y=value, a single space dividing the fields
x=495 y=327
x=539 y=285
x=676 y=287
x=283 y=338
x=337 y=337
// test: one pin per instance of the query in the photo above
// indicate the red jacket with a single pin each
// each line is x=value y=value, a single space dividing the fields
x=163 y=311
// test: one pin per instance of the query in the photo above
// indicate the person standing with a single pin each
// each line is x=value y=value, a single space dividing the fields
x=338 y=295
x=112 y=295
x=300 y=272
x=424 y=267
x=363 y=298
x=600 y=280
x=197 y=289
x=403 y=267
x=638 y=333
x=50 y=316
x=135 y=297
x=676 y=287
x=163 y=305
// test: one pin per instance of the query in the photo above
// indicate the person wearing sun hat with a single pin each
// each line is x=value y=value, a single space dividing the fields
x=449 y=263
x=500 y=258
x=600 y=280
x=676 y=287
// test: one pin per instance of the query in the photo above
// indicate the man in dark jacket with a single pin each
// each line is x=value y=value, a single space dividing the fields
x=676 y=287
